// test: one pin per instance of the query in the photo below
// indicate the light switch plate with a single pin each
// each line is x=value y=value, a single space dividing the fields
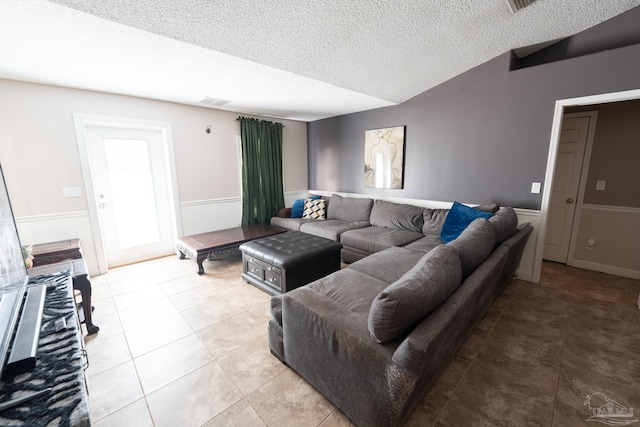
x=535 y=187
x=600 y=185
x=71 y=192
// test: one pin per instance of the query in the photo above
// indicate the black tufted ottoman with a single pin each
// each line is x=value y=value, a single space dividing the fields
x=280 y=263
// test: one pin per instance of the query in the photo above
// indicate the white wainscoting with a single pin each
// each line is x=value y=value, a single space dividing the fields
x=615 y=249
x=528 y=268
x=62 y=226
x=202 y=216
x=198 y=216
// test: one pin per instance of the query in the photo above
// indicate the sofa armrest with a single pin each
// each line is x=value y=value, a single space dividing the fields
x=306 y=306
x=330 y=346
x=284 y=213
x=435 y=341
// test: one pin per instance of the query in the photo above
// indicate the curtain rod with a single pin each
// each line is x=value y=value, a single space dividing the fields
x=275 y=123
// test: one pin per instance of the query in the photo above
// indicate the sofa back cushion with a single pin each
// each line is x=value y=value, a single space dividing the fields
x=505 y=224
x=474 y=245
x=397 y=216
x=433 y=221
x=352 y=209
x=408 y=300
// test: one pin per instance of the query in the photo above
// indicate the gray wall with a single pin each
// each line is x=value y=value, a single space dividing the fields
x=480 y=137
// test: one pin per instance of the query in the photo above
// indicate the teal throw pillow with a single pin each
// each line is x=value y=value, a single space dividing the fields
x=458 y=218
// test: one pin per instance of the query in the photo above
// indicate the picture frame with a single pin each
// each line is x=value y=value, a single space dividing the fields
x=384 y=158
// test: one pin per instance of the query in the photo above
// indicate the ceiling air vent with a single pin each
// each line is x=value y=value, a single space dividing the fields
x=516 y=5
x=214 y=101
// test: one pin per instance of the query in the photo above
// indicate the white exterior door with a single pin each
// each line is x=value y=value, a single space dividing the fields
x=130 y=180
x=566 y=183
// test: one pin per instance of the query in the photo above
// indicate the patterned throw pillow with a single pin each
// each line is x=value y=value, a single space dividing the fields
x=315 y=209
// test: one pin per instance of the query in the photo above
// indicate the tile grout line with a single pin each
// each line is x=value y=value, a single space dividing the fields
x=560 y=365
x=474 y=356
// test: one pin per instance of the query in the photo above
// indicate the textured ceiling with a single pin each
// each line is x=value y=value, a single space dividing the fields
x=296 y=59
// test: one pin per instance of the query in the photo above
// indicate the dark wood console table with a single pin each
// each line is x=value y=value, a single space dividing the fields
x=63 y=251
x=203 y=246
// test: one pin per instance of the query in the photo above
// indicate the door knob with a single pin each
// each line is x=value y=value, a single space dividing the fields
x=569 y=200
x=102 y=206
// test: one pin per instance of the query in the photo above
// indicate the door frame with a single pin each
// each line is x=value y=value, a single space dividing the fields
x=81 y=122
x=556 y=127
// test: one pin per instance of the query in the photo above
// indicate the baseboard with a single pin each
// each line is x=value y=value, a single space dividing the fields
x=526 y=276
x=609 y=269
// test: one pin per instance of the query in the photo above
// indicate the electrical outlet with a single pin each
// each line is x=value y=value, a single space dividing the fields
x=600 y=185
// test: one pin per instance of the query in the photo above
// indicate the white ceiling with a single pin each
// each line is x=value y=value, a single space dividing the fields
x=296 y=59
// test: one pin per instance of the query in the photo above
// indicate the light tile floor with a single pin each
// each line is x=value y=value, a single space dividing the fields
x=178 y=349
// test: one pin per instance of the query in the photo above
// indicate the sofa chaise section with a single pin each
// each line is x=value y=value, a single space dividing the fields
x=321 y=330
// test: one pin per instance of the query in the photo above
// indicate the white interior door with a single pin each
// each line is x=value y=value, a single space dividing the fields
x=130 y=180
x=566 y=182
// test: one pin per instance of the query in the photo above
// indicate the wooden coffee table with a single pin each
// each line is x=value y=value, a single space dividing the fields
x=210 y=245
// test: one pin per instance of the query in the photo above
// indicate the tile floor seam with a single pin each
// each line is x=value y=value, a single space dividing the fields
x=228 y=373
x=256 y=411
x=146 y=404
x=184 y=374
x=142 y=326
x=213 y=356
x=453 y=392
x=560 y=365
x=247 y=397
x=326 y=418
x=155 y=348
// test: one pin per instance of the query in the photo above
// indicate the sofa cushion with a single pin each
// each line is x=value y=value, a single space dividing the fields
x=505 y=224
x=351 y=289
x=397 y=215
x=474 y=245
x=416 y=294
x=376 y=239
x=458 y=218
x=352 y=209
x=292 y=224
x=388 y=265
x=433 y=220
x=331 y=228
x=426 y=244
x=315 y=209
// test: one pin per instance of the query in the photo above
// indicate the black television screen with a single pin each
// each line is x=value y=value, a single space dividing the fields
x=13 y=273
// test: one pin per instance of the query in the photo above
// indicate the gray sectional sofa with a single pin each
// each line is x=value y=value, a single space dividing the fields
x=374 y=336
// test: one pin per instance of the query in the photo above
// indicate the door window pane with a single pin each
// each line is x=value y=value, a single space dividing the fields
x=132 y=192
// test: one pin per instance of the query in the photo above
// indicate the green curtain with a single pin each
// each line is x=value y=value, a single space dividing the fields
x=262 y=193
